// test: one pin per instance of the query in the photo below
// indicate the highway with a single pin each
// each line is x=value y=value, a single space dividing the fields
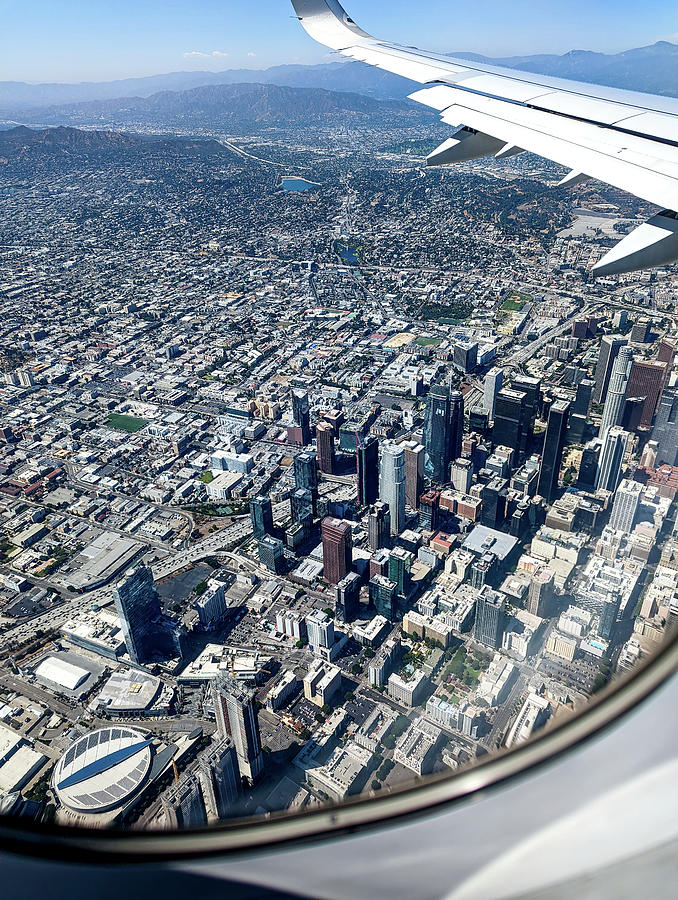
x=222 y=540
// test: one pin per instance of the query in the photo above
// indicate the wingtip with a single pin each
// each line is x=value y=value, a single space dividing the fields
x=327 y=22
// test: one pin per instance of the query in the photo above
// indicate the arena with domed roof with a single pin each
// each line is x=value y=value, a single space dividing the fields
x=103 y=770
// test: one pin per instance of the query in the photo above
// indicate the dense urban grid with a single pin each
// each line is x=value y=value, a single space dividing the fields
x=319 y=471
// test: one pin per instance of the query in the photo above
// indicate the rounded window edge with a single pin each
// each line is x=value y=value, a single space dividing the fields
x=249 y=835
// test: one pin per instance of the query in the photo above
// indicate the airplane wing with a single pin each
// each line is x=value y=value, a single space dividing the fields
x=624 y=138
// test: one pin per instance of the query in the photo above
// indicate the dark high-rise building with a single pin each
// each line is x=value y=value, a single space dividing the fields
x=465 y=355
x=456 y=426
x=490 y=618
x=347 y=598
x=666 y=352
x=512 y=421
x=428 y=509
x=531 y=387
x=237 y=717
x=582 y=402
x=482 y=570
x=219 y=778
x=647 y=380
x=611 y=459
x=552 y=454
x=610 y=346
x=301 y=415
x=261 y=514
x=148 y=634
x=479 y=420
x=383 y=596
x=588 y=468
x=399 y=566
x=337 y=538
x=414 y=472
x=665 y=431
x=182 y=803
x=632 y=414
x=607 y=616
x=437 y=445
x=640 y=332
x=306 y=472
x=493 y=509
x=324 y=444
x=272 y=554
x=301 y=503
x=576 y=429
x=540 y=594
x=367 y=467
x=379 y=526
x=520 y=519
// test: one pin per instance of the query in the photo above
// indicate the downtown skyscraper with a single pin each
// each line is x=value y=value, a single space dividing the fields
x=611 y=458
x=324 y=444
x=261 y=515
x=367 y=470
x=610 y=346
x=237 y=717
x=513 y=419
x=616 y=392
x=437 y=453
x=493 y=383
x=392 y=482
x=337 y=540
x=301 y=415
x=665 y=430
x=148 y=634
x=552 y=454
x=443 y=431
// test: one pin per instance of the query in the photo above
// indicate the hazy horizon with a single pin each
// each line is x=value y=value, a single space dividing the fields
x=76 y=42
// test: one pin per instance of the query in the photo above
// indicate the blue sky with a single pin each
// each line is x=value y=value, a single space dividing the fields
x=78 y=40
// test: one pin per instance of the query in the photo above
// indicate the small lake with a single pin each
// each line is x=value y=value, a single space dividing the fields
x=348 y=254
x=292 y=183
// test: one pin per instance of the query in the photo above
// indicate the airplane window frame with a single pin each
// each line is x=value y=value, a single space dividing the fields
x=602 y=712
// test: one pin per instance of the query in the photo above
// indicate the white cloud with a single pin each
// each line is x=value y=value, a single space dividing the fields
x=202 y=54
x=251 y=54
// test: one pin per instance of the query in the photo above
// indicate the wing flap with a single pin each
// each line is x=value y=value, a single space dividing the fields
x=623 y=161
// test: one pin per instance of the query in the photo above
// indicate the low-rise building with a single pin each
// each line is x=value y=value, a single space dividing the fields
x=495 y=683
x=562 y=645
x=433 y=628
x=375 y=728
x=409 y=689
x=322 y=682
x=283 y=691
x=416 y=748
x=533 y=714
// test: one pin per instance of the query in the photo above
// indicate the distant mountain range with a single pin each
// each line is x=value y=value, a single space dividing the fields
x=233 y=107
x=653 y=69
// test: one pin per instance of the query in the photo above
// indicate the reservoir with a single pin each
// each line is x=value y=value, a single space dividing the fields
x=293 y=183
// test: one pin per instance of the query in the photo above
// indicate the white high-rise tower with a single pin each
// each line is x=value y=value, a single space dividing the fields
x=392 y=482
x=616 y=392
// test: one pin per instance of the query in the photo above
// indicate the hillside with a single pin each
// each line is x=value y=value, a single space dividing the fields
x=233 y=107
